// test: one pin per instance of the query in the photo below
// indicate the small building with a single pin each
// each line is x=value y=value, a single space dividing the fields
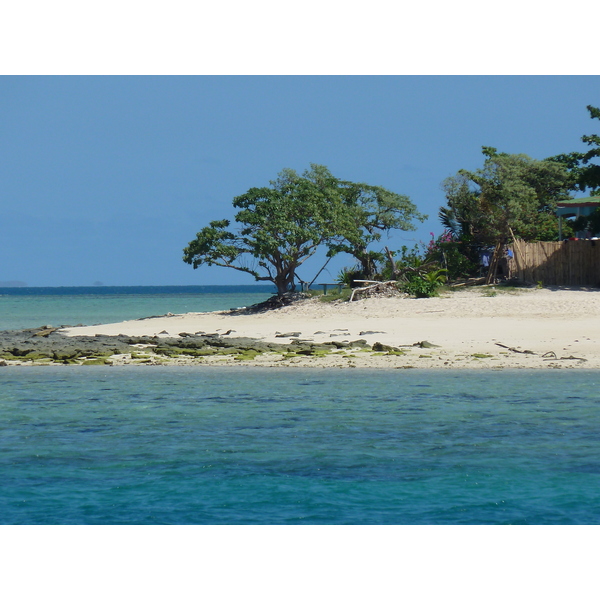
x=575 y=207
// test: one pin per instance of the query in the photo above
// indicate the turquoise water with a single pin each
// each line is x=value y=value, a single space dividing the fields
x=150 y=445
x=22 y=308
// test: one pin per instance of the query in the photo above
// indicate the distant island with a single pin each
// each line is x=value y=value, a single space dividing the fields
x=6 y=284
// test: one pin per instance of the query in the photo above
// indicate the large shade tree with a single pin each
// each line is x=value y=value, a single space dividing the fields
x=281 y=226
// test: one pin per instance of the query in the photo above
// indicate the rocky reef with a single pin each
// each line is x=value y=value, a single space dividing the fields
x=46 y=345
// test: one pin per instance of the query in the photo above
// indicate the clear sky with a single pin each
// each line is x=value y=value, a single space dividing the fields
x=107 y=178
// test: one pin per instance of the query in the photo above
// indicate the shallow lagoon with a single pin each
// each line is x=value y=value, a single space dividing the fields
x=22 y=308
x=145 y=445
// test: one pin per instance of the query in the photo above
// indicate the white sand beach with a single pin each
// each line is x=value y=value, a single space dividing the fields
x=473 y=328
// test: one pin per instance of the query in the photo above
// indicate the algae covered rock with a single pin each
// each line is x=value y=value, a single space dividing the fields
x=379 y=347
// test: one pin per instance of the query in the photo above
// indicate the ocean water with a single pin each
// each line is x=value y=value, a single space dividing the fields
x=22 y=308
x=202 y=445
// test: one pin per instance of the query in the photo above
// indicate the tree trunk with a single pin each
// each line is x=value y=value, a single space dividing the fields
x=395 y=272
x=284 y=282
x=366 y=265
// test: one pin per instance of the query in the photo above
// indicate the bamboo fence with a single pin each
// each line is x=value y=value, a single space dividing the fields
x=568 y=263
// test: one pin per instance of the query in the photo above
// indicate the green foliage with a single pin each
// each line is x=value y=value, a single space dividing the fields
x=281 y=226
x=454 y=255
x=511 y=192
x=419 y=287
x=580 y=223
x=335 y=295
x=594 y=222
x=425 y=285
x=585 y=174
x=567 y=229
x=371 y=211
x=347 y=276
x=405 y=259
x=419 y=274
x=437 y=277
x=590 y=224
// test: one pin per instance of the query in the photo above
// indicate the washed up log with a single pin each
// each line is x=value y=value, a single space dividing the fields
x=515 y=349
x=473 y=281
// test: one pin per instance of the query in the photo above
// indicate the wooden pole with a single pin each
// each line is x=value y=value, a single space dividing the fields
x=491 y=276
x=518 y=248
x=320 y=270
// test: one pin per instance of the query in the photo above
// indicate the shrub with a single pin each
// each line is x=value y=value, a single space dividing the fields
x=425 y=285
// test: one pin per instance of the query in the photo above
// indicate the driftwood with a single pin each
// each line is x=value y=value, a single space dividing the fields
x=515 y=349
x=357 y=291
x=395 y=271
x=471 y=281
x=169 y=314
x=566 y=357
x=547 y=356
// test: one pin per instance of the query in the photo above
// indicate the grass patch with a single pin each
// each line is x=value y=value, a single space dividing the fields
x=246 y=356
x=513 y=286
x=333 y=296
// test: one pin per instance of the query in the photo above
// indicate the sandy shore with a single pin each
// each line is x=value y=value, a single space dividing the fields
x=475 y=328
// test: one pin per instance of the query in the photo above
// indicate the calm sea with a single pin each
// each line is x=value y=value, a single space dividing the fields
x=244 y=445
x=144 y=445
x=22 y=308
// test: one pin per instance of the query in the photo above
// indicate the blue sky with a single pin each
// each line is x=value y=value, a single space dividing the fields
x=107 y=178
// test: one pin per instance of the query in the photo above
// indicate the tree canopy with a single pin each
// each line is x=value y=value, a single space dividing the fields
x=586 y=174
x=371 y=211
x=512 y=194
x=281 y=226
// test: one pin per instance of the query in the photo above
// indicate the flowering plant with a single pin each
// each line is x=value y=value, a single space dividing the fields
x=451 y=254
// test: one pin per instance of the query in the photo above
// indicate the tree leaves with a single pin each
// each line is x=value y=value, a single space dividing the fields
x=585 y=174
x=281 y=226
x=510 y=191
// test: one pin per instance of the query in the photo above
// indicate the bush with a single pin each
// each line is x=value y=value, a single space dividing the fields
x=459 y=260
x=348 y=276
x=405 y=257
x=425 y=285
